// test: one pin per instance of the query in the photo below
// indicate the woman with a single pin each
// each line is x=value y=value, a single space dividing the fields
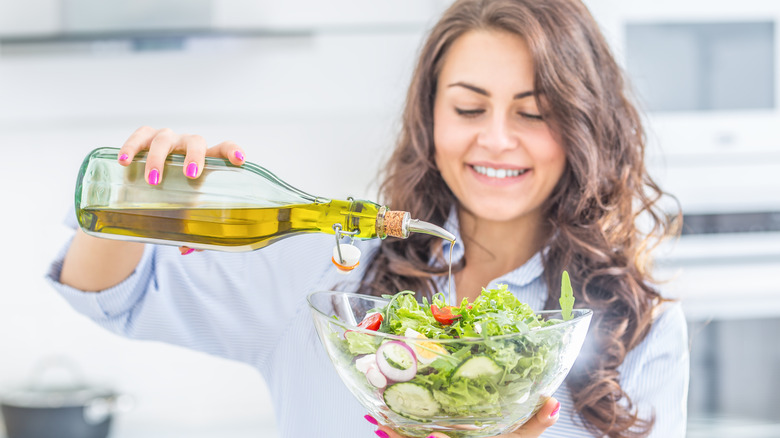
x=517 y=135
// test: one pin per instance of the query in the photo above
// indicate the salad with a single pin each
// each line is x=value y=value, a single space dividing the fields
x=478 y=359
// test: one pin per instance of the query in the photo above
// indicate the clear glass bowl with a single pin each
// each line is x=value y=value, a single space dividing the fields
x=491 y=408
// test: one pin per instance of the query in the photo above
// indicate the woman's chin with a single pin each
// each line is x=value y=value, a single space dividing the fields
x=497 y=212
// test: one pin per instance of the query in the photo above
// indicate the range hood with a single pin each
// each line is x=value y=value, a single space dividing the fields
x=101 y=20
x=120 y=16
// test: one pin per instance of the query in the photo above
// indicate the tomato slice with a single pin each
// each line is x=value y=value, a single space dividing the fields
x=444 y=315
x=371 y=322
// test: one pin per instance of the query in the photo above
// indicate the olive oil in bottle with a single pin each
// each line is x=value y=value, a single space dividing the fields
x=228 y=208
x=240 y=228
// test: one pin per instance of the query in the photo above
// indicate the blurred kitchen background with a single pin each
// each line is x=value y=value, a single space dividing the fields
x=312 y=90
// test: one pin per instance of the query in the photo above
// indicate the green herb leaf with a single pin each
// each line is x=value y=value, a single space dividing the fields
x=567 y=297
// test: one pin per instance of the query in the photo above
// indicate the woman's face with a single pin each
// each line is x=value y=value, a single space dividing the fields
x=493 y=149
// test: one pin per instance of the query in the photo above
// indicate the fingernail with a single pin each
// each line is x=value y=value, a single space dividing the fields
x=154 y=177
x=371 y=419
x=239 y=156
x=187 y=251
x=192 y=170
x=382 y=434
x=555 y=411
x=123 y=157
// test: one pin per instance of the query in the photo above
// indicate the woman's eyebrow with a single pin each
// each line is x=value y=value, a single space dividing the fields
x=524 y=94
x=484 y=92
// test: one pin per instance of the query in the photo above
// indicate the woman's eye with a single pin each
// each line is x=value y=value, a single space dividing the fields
x=531 y=116
x=469 y=112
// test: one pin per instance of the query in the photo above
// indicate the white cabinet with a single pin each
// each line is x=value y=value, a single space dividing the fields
x=29 y=17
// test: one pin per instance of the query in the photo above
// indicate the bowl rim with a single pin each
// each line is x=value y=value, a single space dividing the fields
x=583 y=314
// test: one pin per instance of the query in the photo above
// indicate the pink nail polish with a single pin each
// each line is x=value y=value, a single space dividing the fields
x=123 y=157
x=555 y=411
x=192 y=170
x=154 y=177
x=189 y=251
x=371 y=419
x=382 y=434
x=239 y=156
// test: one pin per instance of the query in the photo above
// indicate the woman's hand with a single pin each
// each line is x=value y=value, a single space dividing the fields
x=546 y=417
x=162 y=142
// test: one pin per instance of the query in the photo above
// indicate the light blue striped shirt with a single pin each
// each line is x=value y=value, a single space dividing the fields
x=251 y=307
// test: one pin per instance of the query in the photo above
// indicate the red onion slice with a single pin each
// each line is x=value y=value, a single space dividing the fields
x=396 y=361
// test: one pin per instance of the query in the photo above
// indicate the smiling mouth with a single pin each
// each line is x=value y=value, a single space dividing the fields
x=498 y=173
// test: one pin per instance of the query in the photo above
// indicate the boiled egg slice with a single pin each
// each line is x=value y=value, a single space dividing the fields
x=426 y=352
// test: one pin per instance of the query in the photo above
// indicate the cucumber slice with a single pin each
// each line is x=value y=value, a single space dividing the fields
x=396 y=361
x=476 y=367
x=398 y=355
x=411 y=400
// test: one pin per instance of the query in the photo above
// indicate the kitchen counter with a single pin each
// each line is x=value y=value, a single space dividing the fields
x=224 y=431
x=723 y=427
x=126 y=429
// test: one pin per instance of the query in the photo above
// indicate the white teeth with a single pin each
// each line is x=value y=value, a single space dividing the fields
x=498 y=173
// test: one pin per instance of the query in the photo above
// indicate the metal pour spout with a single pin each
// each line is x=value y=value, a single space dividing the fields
x=418 y=226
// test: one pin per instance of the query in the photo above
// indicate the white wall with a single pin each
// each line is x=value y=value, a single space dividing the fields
x=319 y=111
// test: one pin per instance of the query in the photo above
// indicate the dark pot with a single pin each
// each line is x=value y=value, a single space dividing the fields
x=68 y=409
x=77 y=412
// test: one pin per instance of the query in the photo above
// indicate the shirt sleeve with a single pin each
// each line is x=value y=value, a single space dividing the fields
x=109 y=304
x=655 y=374
x=232 y=305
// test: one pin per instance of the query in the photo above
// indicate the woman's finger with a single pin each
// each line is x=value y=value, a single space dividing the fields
x=195 y=154
x=228 y=150
x=386 y=432
x=546 y=417
x=137 y=142
x=184 y=250
x=163 y=143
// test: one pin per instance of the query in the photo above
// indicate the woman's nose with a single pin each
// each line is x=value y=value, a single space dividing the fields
x=497 y=135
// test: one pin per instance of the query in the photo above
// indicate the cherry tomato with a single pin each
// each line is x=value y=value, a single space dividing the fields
x=444 y=315
x=371 y=322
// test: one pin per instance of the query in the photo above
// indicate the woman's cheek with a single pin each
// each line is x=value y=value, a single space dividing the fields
x=452 y=136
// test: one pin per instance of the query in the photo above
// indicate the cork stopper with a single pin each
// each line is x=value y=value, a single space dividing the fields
x=396 y=223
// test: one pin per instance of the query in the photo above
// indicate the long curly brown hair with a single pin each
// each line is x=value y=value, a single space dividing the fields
x=595 y=212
